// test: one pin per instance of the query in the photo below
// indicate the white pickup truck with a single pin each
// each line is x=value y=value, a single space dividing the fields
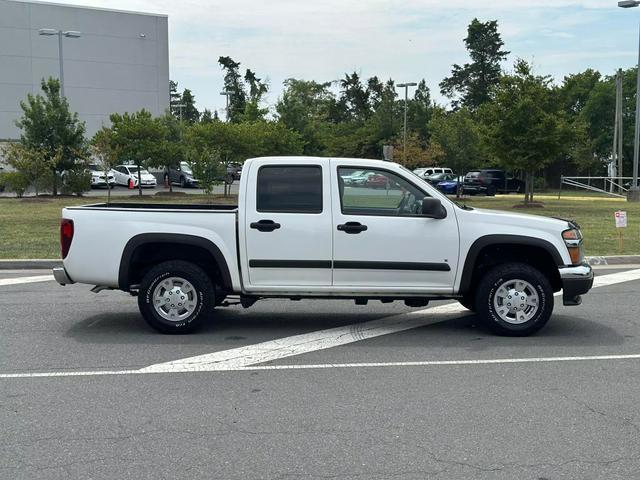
x=304 y=228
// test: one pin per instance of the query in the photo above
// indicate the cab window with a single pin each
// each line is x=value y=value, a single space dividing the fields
x=381 y=193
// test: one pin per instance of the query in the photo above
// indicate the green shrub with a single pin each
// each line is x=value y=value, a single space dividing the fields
x=76 y=182
x=15 y=182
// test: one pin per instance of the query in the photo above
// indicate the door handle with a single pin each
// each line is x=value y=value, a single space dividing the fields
x=352 y=227
x=265 y=226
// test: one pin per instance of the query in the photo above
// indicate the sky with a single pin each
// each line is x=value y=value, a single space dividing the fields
x=405 y=40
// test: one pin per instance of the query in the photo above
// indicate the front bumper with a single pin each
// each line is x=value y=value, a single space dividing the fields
x=576 y=281
x=60 y=274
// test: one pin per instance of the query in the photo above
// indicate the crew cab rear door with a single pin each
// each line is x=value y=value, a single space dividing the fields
x=382 y=243
x=287 y=225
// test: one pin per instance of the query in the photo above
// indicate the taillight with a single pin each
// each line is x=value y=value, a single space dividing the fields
x=573 y=240
x=66 y=236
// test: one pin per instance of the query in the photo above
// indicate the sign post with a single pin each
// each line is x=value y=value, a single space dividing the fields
x=621 y=224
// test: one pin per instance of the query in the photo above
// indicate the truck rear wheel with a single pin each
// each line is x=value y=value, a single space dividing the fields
x=514 y=299
x=176 y=297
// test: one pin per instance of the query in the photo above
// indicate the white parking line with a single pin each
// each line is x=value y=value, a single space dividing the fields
x=19 y=280
x=249 y=357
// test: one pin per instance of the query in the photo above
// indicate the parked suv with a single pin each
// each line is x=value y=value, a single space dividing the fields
x=490 y=182
x=182 y=175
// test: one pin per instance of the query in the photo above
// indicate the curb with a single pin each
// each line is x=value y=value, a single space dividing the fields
x=45 y=264
x=30 y=264
x=614 y=260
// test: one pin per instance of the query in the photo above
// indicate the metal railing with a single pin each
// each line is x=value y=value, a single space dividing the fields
x=612 y=186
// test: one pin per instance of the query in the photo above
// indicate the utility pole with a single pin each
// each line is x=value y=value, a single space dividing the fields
x=406 y=99
x=226 y=94
x=618 y=133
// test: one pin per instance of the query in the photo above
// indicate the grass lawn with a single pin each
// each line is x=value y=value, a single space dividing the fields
x=29 y=227
x=595 y=215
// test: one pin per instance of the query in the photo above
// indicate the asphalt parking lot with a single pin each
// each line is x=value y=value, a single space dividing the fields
x=316 y=389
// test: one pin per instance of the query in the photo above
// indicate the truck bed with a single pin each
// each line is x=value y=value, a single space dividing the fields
x=103 y=231
x=159 y=206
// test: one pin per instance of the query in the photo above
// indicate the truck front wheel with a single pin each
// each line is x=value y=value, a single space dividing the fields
x=176 y=297
x=514 y=299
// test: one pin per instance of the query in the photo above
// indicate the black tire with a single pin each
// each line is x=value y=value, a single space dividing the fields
x=489 y=286
x=203 y=292
x=491 y=191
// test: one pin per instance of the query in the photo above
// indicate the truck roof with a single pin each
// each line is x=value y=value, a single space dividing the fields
x=308 y=159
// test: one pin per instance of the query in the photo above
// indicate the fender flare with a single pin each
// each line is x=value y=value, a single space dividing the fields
x=489 y=240
x=175 y=238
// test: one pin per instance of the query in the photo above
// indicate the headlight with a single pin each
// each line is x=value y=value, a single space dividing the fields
x=573 y=240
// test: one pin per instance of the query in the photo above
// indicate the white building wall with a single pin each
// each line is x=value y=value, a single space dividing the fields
x=120 y=64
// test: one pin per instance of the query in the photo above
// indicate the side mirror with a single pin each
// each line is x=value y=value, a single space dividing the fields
x=432 y=208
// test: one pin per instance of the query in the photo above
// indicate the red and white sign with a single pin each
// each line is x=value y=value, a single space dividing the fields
x=621 y=219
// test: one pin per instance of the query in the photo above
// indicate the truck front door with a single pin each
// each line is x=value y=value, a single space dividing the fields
x=382 y=243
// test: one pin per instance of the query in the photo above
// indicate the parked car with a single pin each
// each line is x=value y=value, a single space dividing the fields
x=357 y=178
x=296 y=233
x=376 y=181
x=450 y=187
x=98 y=178
x=490 y=182
x=125 y=173
x=182 y=175
x=427 y=172
x=439 y=177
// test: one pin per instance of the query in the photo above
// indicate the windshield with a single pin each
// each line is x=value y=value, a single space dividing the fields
x=184 y=166
x=135 y=170
x=94 y=168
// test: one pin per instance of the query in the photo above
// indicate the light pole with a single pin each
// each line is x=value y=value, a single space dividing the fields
x=634 y=191
x=226 y=94
x=180 y=107
x=406 y=98
x=60 y=33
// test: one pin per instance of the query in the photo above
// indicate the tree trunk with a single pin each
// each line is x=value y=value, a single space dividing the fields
x=531 y=191
x=139 y=181
x=55 y=182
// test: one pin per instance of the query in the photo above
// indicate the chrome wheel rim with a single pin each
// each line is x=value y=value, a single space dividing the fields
x=174 y=299
x=516 y=301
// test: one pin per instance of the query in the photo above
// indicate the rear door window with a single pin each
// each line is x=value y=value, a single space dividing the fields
x=289 y=189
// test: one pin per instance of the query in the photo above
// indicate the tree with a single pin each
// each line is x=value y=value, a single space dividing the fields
x=234 y=84
x=175 y=99
x=207 y=116
x=207 y=166
x=419 y=111
x=354 y=97
x=525 y=128
x=140 y=139
x=458 y=135
x=417 y=154
x=49 y=126
x=305 y=107
x=190 y=113
x=173 y=149
x=471 y=84
x=32 y=163
x=107 y=151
